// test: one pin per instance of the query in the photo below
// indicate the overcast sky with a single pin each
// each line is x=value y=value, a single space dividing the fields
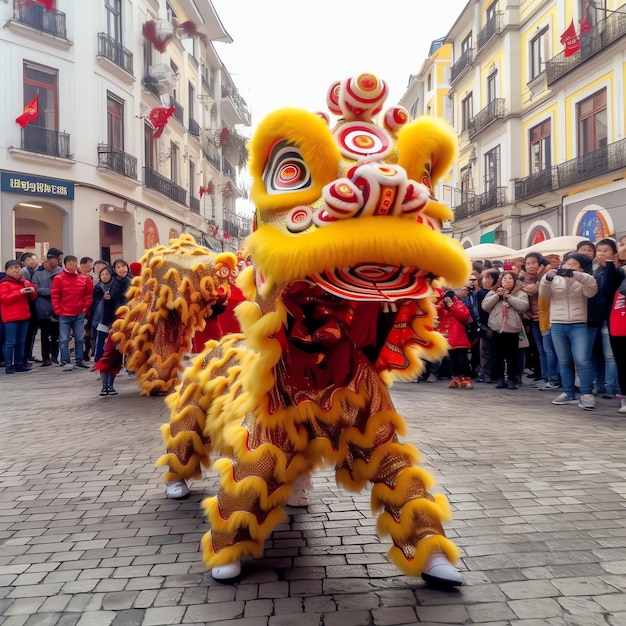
x=289 y=52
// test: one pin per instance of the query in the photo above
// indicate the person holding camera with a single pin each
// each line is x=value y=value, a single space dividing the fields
x=505 y=306
x=453 y=319
x=16 y=293
x=569 y=289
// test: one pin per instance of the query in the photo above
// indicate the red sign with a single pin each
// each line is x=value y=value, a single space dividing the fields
x=24 y=241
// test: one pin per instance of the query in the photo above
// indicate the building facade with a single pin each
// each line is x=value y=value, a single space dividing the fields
x=90 y=173
x=542 y=147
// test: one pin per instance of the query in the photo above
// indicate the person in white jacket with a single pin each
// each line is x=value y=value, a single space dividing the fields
x=569 y=288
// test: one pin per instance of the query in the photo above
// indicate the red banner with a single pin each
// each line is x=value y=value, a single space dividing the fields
x=570 y=40
x=31 y=113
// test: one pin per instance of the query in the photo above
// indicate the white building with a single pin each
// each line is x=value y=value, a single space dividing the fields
x=87 y=176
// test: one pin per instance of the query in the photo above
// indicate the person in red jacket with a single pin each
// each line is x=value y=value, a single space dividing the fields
x=453 y=317
x=72 y=294
x=15 y=294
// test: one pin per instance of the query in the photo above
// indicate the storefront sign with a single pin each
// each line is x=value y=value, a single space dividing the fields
x=36 y=186
x=24 y=241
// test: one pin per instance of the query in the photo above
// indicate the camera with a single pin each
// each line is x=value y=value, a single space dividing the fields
x=564 y=272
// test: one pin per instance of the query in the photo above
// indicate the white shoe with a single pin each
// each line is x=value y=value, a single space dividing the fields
x=68 y=367
x=177 y=490
x=439 y=572
x=299 y=494
x=228 y=572
x=622 y=408
x=563 y=398
x=587 y=402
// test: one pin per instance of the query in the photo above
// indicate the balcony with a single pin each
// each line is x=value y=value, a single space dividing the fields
x=231 y=224
x=493 y=111
x=494 y=197
x=179 y=111
x=36 y=16
x=113 y=50
x=229 y=170
x=116 y=160
x=604 y=33
x=194 y=205
x=462 y=63
x=492 y=28
x=536 y=183
x=154 y=180
x=194 y=128
x=606 y=159
x=45 y=141
x=234 y=108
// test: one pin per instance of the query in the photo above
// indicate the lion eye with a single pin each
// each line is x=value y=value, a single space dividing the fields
x=286 y=170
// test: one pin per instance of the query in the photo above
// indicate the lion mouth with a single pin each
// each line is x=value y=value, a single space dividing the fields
x=374 y=282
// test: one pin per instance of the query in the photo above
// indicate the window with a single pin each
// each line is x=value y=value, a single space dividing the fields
x=466 y=183
x=540 y=146
x=192 y=179
x=149 y=146
x=466 y=44
x=589 y=14
x=115 y=122
x=491 y=12
x=466 y=111
x=174 y=156
x=174 y=69
x=114 y=19
x=492 y=169
x=192 y=99
x=492 y=86
x=429 y=82
x=591 y=114
x=147 y=56
x=539 y=53
x=43 y=81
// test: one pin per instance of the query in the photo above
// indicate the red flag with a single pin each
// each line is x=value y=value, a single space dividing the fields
x=31 y=113
x=208 y=190
x=49 y=4
x=585 y=26
x=570 y=40
x=158 y=119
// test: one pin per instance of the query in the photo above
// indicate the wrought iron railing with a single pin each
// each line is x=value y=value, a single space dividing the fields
x=229 y=170
x=45 y=141
x=115 y=52
x=194 y=204
x=154 y=180
x=489 y=30
x=493 y=111
x=604 y=33
x=494 y=197
x=194 y=127
x=605 y=159
x=179 y=111
x=206 y=84
x=461 y=64
x=36 y=16
x=536 y=183
x=231 y=224
x=238 y=103
x=116 y=160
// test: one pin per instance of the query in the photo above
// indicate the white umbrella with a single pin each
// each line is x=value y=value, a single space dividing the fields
x=556 y=245
x=491 y=252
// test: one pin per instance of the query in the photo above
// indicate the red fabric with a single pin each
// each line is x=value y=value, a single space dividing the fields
x=31 y=113
x=111 y=360
x=585 y=26
x=14 y=304
x=158 y=118
x=570 y=40
x=452 y=323
x=71 y=294
x=212 y=330
x=49 y=4
x=228 y=320
x=617 y=319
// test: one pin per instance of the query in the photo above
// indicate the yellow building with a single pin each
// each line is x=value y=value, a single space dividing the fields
x=542 y=148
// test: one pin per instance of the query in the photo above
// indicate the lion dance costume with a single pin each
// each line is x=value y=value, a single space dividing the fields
x=347 y=241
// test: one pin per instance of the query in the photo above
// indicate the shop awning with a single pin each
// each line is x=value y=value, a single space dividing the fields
x=489 y=237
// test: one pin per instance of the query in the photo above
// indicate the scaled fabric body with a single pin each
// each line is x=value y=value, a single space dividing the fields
x=339 y=303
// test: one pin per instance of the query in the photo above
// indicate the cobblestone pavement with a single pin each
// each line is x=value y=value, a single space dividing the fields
x=87 y=536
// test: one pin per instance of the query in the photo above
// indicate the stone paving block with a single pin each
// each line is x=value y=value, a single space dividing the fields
x=97 y=618
x=214 y=612
x=258 y=608
x=344 y=618
x=540 y=608
x=300 y=619
x=450 y=614
x=164 y=616
x=529 y=589
x=489 y=612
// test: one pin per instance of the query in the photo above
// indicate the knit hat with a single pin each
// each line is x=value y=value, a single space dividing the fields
x=135 y=268
x=11 y=263
x=585 y=262
x=54 y=253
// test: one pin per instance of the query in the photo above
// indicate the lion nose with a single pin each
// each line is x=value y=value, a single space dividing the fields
x=374 y=188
